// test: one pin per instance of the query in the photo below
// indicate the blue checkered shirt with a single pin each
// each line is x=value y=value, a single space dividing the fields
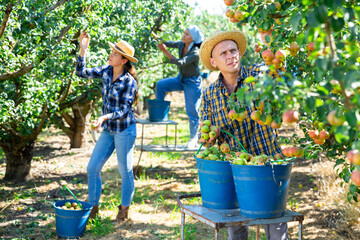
x=118 y=96
x=255 y=138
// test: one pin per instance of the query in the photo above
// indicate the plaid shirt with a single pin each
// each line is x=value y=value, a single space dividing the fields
x=118 y=96
x=255 y=138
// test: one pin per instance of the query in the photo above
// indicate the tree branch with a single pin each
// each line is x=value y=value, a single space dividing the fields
x=8 y=11
x=147 y=67
x=57 y=120
x=68 y=119
x=58 y=4
x=78 y=99
x=41 y=58
x=10 y=130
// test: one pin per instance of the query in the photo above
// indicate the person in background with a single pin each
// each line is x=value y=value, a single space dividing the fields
x=188 y=79
x=119 y=92
x=223 y=51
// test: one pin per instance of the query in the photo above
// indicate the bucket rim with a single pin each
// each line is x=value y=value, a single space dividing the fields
x=158 y=100
x=85 y=204
x=210 y=160
x=265 y=165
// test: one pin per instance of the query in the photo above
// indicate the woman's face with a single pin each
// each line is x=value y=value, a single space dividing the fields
x=116 y=59
x=187 y=37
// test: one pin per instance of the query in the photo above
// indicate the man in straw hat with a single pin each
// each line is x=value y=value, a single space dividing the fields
x=223 y=51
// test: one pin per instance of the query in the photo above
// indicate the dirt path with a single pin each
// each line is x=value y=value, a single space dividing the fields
x=26 y=210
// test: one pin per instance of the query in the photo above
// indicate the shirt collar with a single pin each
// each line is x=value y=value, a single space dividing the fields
x=242 y=76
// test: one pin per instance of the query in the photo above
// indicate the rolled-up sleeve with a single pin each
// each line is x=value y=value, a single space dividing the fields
x=191 y=58
x=82 y=71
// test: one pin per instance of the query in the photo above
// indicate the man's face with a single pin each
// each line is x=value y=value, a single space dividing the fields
x=226 y=56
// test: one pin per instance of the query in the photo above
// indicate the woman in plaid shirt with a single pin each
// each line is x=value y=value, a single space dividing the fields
x=119 y=91
x=223 y=52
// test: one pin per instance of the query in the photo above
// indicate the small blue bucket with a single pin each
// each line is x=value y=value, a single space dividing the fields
x=71 y=223
x=262 y=192
x=204 y=75
x=216 y=184
x=158 y=110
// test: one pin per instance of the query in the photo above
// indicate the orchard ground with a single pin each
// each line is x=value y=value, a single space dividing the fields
x=26 y=210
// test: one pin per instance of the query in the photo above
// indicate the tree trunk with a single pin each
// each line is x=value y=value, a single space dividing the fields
x=79 y=121
x=18 y=161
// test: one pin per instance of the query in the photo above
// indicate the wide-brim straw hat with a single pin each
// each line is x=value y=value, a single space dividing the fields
x=125 y=49
x=209 y=43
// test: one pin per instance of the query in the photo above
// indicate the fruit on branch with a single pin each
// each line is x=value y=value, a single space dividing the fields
x=319 y=141
x=290 y=116
x=232 y=114
x=314 y=134
x=258 y=47
x=294 y=49
x=354 y=156
x=234 y=20
x=239 y=15
x=281 y=55
x=355 y=177
x=275 y=125
x=255 y=115
x=324 y=134
x=229 y=2
x=277 y=5
x=311 y=47
x=267 y=55
x=293 y=152
x=241 y=116
x=335 y=120
x=230 y=13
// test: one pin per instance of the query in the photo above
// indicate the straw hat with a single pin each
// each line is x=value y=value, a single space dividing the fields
x=208 y=45
x=125 y=49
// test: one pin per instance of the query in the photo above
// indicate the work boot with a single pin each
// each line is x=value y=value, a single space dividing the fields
x=122 y=214
x=94 y=212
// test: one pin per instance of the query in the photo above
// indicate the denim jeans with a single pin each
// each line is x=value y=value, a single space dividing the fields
x=276 y=231
x=108 y=141
x=192 y=87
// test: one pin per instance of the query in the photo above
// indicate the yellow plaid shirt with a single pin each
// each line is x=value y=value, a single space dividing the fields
x=255 y=138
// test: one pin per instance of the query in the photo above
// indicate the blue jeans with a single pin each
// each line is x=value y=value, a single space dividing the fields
x=124 y=143
x=192 y=87
x=276 y=231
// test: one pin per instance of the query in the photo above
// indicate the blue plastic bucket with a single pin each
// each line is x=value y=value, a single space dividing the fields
x=71 y=223
x=216 y=184
x=204 y=75
x=158 y=110
x=260 y=193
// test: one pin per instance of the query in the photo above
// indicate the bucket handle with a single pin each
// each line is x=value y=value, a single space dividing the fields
x=65 y=187
x=273 y=173
x=231 y=136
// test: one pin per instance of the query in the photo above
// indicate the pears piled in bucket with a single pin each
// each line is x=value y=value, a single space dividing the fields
x=237 y=157
x=71 y=206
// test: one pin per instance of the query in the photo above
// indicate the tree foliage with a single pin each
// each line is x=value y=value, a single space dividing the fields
x=321 y=77
x=39 y=45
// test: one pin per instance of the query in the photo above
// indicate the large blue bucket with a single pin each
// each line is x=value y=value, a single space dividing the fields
x=216 y=184
x=71 y=223
x=158 y=110
x=262 y=193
